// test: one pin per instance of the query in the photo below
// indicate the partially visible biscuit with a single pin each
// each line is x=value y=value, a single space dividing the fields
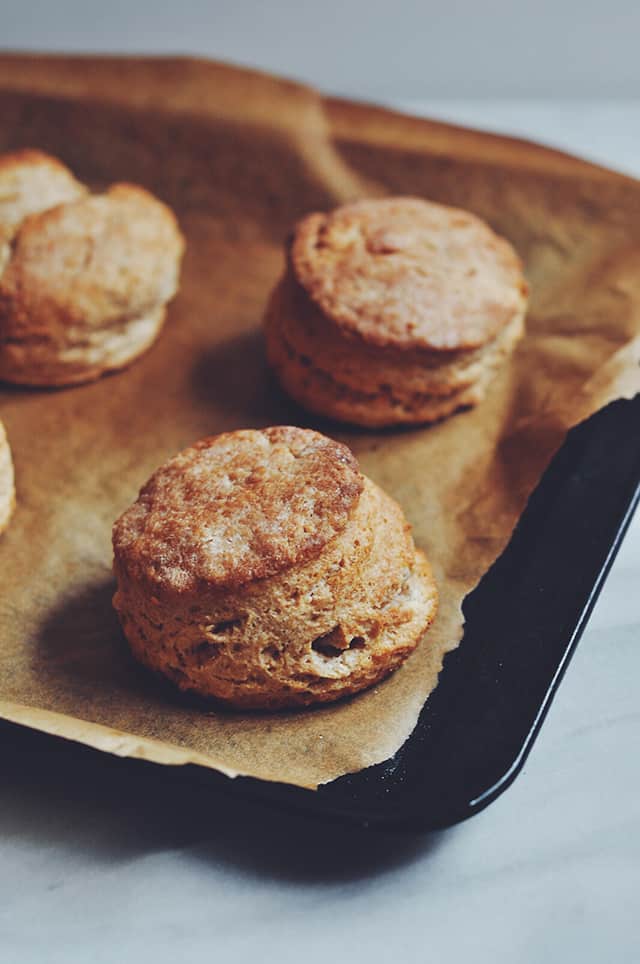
x=7 y=487
x=394 y=311
x=85 y=283
x=263 y=569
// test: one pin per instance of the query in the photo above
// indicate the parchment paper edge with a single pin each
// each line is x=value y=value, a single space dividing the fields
x=106 y=739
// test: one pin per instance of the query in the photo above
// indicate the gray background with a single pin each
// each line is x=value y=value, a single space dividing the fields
x=371 y=48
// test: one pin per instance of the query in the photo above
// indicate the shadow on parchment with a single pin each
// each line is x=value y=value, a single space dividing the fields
x=54 y=791
x=83 y=652
x=84 y=627
x=235 y=379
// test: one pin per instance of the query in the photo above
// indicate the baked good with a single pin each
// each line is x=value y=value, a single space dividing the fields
x=260 y=567
x=394 y=311
x=84 y=278
x=7 y=488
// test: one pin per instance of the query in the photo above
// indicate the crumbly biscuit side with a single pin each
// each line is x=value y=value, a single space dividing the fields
x=233 y=627
x=416 y=607
x=376 y=405
x=7 y=484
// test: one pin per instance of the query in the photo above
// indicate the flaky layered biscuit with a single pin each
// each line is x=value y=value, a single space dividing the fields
x=263 y=569
x=84 y=279
x=7 y=487
x=334 y=376
x=394 y=311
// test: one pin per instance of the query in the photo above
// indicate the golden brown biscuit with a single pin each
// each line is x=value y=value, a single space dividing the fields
x=85 y=283
x=7 y=488
x=394 y=311
x=263 y=569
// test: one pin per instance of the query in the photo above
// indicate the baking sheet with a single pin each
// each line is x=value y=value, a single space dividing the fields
x=240 y=156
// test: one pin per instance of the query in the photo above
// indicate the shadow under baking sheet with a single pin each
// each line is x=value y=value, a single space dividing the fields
x=61 y=793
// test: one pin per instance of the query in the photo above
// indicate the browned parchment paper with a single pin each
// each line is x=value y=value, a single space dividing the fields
x=240 y=156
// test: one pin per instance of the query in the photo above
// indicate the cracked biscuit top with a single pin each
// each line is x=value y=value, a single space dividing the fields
x=409 y=273
x=237 y=507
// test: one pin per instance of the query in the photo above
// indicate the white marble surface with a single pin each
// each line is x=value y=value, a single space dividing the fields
x=115 y=867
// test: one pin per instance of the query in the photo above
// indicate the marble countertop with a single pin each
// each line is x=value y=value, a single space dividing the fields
x=104 y=862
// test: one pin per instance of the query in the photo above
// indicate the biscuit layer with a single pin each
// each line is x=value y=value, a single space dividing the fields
x=319 y=343
x=335 y=376
x=85 y=279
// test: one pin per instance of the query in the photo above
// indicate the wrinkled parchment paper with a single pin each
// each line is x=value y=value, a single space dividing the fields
x=240 y=156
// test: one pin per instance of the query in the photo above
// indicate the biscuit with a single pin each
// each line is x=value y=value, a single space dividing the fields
x=394 y=311
x=261 y=568
x=31 y=181
x=7 y=488
x=84 y=282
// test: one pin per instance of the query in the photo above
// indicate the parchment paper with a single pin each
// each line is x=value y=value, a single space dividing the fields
x=240 y=156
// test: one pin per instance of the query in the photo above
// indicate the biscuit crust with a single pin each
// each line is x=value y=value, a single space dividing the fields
x=85 y=281
x=335 y=376
x=330 y=618
x=409 y=273
x=7 y=486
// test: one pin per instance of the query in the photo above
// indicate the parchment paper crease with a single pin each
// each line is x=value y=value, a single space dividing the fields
x=240 y=156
